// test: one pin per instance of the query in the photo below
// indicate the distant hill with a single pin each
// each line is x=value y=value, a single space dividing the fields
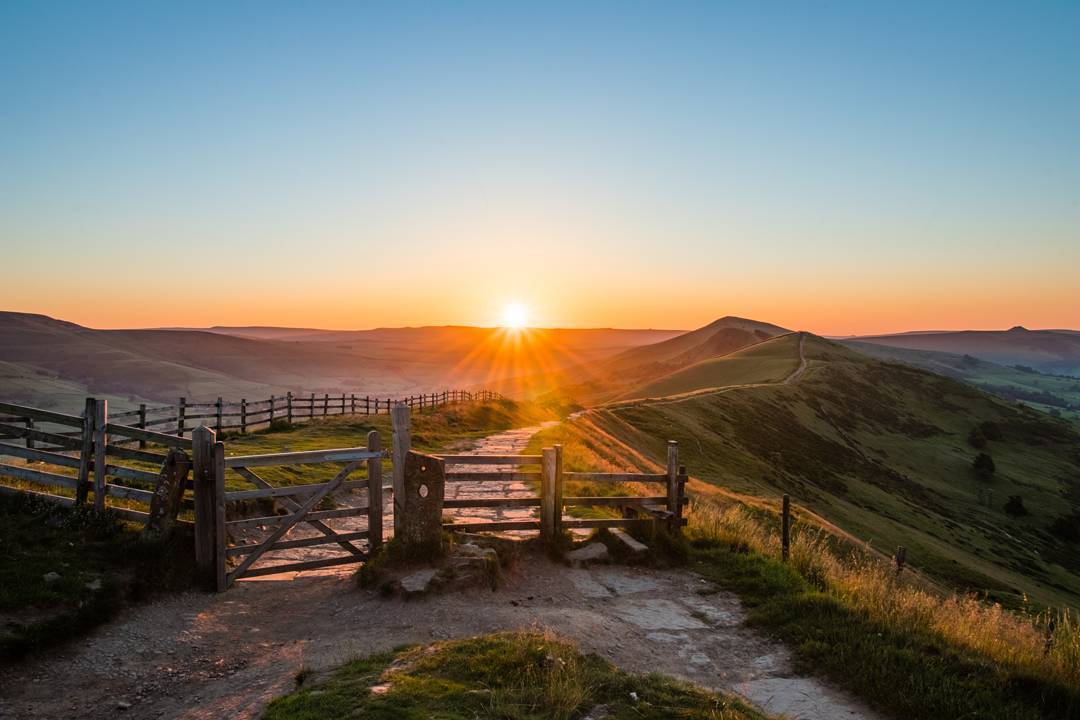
x=41 y=355
x=613 y=377
x=886 y=451
x=767 y=361
x=1057 y=395
x=1056 y=351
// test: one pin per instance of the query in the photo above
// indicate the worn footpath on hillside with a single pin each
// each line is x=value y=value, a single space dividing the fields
x=203 y=656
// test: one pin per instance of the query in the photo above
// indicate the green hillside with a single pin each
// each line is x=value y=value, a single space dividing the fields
x=1055 y=394
x=885 y=451
x=766 y=362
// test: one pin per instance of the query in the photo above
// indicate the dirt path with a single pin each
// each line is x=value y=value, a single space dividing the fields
x=202 y=656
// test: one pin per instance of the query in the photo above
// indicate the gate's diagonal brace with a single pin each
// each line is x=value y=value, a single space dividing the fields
x=293 y=505
x=289 y=521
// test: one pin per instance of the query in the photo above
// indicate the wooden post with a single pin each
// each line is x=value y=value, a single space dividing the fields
x=203 y=478
x=401 y=423
x=352 y=406
x=288 y=406
x=547 y=494
x=29 y=422
x=101 y=439
x=375 y=502
x=342 y=403
x=785 y=529
x=270 y=416
x=87 y=452
x=168 y=494
x=219 y=516
x=367 y=405
x=181 y=411
x=142 y=423
x=217 y=420
x=243 y=415
x=557 y=518
x=673 y=484
x=326 y=404
x=901 y=558
x=311 y=408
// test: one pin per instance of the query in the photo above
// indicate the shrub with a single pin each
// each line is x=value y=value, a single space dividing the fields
x=1015 y=506
x=976 y=438
x=984 y=466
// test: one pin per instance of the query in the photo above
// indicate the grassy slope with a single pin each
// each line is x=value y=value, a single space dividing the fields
x=766 y=362
x=1041 y=391
x=100 y=563
x=897 y=641
x=881 y=450
x=511 y=676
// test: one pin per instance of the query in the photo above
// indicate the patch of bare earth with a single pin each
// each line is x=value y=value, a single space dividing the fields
x=215 y=656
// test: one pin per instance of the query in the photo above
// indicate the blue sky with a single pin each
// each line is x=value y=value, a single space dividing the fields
x=843 y=167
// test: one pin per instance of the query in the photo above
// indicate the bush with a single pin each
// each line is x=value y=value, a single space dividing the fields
x=976 y=439
x=991 y=430
x=984 y=466
x=1015 y=506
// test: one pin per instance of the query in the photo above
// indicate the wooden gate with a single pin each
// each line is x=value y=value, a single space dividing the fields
x=213 y=505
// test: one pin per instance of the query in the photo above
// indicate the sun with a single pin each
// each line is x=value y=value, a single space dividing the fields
x=514 y=316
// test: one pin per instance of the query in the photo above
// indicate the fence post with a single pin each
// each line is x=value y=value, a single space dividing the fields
x=101 y=439
x=374 y=480
x=367 y=404
x=288 y=406
x=901 y=558
x=270 y=417
x=29 y=422
x=401 y=423
x=325 y=404
x=547 y=495
x=558 y=490
x=673 y=484
x=217 y=420
x=203 y=478
x=785 y=529
x=243 y=415
x=352 y=401
x=218 y=469
x=142 y=423
x=311 y=407
x=181 y=411
x=86 y=455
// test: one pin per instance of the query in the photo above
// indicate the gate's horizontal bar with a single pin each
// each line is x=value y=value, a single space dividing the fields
x=614 y=477
x=492 y=502
x=302 y=458
x=304 y=542
x=298 y=566
x=615 y=501
x=288 y=490
x=148 y=435
x=491 y=459
x=42 y=455
x=607 y=522
x=499 y=525
x=275 y=519
x=492 y=477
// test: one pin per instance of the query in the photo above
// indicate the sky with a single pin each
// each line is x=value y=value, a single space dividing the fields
x=831 y=166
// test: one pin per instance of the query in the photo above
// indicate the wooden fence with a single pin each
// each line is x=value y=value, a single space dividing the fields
x=97 y=455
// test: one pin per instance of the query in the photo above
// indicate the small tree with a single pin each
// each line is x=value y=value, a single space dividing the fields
x=984 y=467
x=1015 y=506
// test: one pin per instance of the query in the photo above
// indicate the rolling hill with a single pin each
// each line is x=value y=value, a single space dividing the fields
x=1053 y=351
x=768 y=361
x=886 y=452
x=40 y=355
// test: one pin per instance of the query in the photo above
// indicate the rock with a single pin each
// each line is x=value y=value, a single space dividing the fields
x=631 y=545
x=417 y=583
x=123 y=705
x=593 y=552
x=94 y=584
x=600 y=712
x=50 y=577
